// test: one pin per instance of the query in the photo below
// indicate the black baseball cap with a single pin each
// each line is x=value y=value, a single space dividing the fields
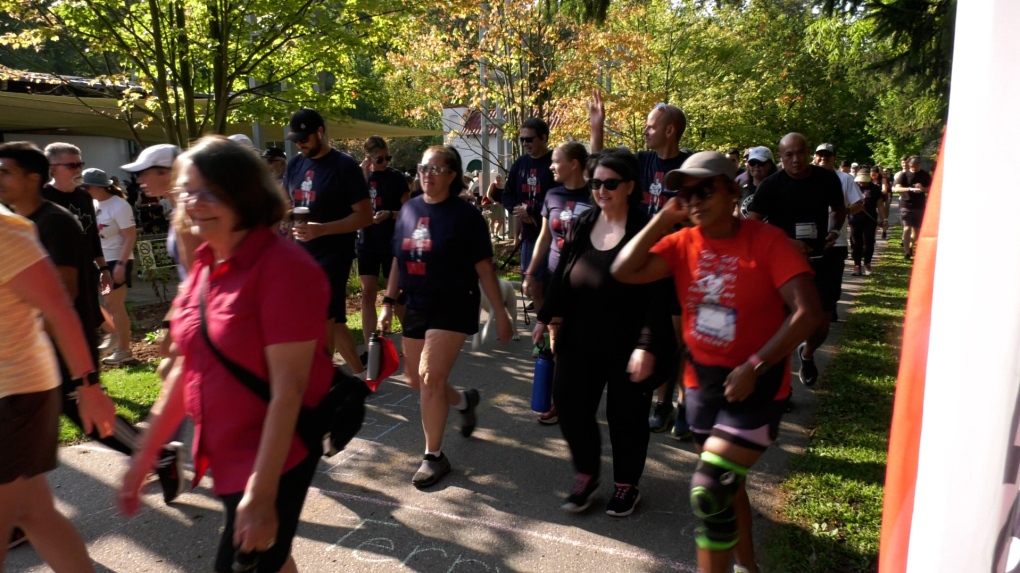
x=303 y=123
x=274 y=153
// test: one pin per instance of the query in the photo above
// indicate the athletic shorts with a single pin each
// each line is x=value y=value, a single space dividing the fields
x=290 y=498
x=827 y=280
x=748 y=428
x=28 y=434
x=912 y=217
x=338 y=273
x=456 y=314
x=127 y=273
x=371 y=264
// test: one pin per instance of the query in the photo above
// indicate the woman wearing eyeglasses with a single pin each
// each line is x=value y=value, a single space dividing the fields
x=748 y=300
x=388 y=191
x=760 y=164
x=630 y=355
x=442 y=252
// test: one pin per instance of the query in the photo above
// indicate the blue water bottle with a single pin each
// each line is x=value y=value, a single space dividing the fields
x=541 y=389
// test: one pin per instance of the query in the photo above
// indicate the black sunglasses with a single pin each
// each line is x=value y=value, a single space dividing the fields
x=704 y=191
x=303 y=139
x=528 y=139
x=381 y=158
x=755 y=163
x=75 y=165
x=609 y=184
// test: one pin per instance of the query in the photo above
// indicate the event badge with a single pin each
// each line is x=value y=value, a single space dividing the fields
x=716 y=321
x=803 y=231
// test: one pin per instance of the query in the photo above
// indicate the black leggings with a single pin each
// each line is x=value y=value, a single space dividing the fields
x=863 y=241
x=578 y=383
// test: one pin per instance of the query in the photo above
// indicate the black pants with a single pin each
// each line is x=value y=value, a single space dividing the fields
x=863 y=241
x=580 y=378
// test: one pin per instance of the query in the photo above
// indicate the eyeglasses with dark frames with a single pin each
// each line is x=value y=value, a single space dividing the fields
x=528 y=139
x=379 y=160
x=609 y=184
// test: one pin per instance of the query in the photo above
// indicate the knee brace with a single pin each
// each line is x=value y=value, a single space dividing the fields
x=713 y=487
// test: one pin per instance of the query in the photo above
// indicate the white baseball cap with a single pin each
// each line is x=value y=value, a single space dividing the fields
x=760 y=153
x=161 y=155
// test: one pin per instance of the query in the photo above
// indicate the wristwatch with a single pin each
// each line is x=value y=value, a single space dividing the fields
x=760 y=366
x=90 y=379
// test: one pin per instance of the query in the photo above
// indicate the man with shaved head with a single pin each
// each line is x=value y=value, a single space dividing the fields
x=806 y=201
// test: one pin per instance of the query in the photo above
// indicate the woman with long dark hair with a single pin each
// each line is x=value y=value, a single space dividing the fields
x=631 y=357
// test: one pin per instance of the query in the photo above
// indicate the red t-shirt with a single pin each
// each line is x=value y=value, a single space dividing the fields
x=729 y=292
x=270 y=292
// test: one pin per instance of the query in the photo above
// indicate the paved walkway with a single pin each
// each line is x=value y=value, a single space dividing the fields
x=497 y=511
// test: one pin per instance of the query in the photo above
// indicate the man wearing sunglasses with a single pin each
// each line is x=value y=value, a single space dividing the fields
x=388 y=190
x=527 y=180
x=806 y=201
x=64 y=189
x=332 y=186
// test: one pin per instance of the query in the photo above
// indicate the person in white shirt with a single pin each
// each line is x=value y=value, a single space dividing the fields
x=116 y=223
x=825 y=156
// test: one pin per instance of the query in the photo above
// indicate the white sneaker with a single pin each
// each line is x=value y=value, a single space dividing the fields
x=107 y=342
x=119 y=356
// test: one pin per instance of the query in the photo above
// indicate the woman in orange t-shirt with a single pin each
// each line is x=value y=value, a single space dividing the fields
x=748 y=300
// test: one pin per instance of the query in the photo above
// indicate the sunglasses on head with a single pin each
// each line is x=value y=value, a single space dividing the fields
x=704 y=191
x=528 y=139
x=382 y=158
x=433 y=169
x=609 y=184
x=75 y=165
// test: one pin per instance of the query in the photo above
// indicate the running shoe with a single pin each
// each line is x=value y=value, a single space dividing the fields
x=867 y=270
x=857 y=271
x=469 y=420
x=625 y=499
x=432 y=469
x=808 y=371
x=549 y=418
x=119 y=356
x=662 y=417
x=170 y=471
x=106 y=343
x=580 y=499
x=681 y=429
x=17 y=538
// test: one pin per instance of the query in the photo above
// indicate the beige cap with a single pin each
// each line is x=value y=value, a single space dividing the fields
x=702 y=164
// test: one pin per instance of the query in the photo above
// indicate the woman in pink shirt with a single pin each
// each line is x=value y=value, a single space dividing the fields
x=265 y=305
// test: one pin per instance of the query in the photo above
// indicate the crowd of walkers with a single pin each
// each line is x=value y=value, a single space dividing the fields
x=717 y=267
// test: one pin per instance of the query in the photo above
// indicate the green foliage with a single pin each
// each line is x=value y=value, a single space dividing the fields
x=833 y=493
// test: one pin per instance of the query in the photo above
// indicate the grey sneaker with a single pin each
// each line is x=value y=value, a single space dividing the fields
x=431 y=471
x=467 y=426
x=119 y=356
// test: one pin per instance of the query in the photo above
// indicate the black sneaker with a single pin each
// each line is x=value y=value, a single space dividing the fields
x=580 y=499
x=469 y=419
x=431 y=471
x=662 y=416
x=808 y=371
x=17 y=538
x=624 y=501
x=170 y=470
x=681 y=429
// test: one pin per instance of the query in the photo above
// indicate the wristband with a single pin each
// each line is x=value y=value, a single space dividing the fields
x=388 y=301
x=104 y=268
x=88 y=379
x=759 y=365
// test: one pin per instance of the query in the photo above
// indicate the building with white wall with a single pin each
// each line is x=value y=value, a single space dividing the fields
x=463 y=132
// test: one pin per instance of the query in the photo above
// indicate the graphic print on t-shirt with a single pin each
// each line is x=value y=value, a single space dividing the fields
x=561 y=225
x=712 y=299
x=305 y=195
x=84 y=218
x=531 y=188
x=419 y=243
x=373 y=194
x=653 y=198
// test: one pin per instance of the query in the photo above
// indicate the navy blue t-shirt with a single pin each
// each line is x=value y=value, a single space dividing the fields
x=328 y=186
x=653 y=172
x=562 y=207
x=527 y=181
x=385 y=188
x=437 y=247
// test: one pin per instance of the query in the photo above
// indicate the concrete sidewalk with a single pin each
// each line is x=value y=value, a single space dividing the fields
x=497 y=511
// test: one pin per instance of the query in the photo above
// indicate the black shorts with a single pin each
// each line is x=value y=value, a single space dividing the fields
x=703 y=419
x=912 y=217
x=827 y=280
x=290 y=498
x=371 y=264
x=339 y=273
x=457 y=314
x=28 y=434
x=130 y=264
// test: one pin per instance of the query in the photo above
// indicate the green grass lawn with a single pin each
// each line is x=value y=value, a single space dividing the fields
x=832 y=495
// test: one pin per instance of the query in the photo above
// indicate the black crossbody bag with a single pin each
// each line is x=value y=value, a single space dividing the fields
x=340 y=414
